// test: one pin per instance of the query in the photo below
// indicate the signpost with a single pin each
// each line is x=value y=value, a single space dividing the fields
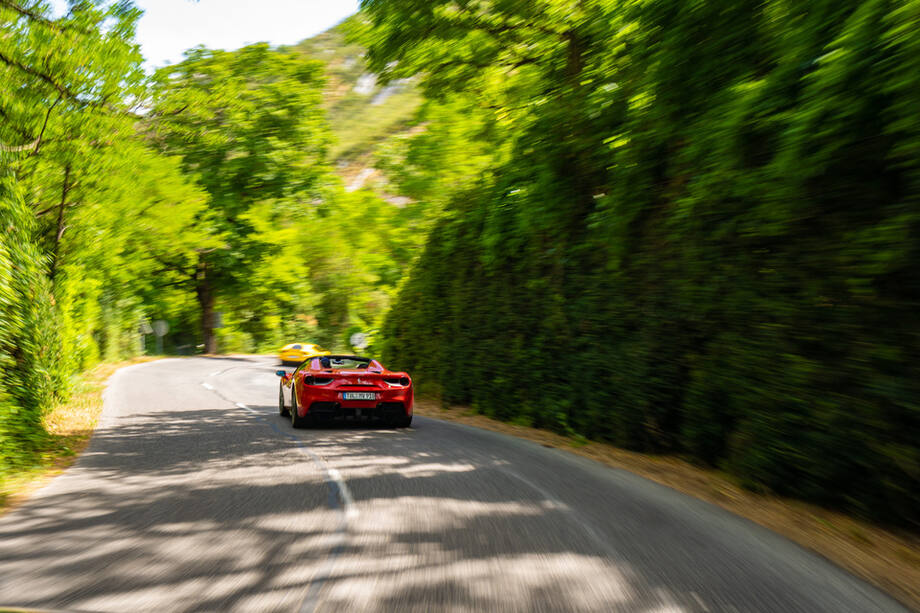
x=160 y=328
x=145 y=329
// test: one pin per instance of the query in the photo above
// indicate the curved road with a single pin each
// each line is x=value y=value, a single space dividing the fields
x=194 y=495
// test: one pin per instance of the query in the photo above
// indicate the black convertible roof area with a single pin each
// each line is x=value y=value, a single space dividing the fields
x=335 y=362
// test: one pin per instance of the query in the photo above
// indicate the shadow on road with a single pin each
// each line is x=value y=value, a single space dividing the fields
x=215 y=510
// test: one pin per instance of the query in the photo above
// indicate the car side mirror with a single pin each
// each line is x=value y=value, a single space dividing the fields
x=281 y=373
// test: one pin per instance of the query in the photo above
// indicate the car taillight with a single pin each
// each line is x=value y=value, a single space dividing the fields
x=397 y=381
x=311 y=380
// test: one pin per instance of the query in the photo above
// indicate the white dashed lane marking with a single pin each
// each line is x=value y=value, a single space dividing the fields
x=243 y=406
x=347 y=501
x=340 y=499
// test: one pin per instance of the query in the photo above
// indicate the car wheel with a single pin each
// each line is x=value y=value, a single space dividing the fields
x=282 y=410
x=402 y=422
x=296 y=420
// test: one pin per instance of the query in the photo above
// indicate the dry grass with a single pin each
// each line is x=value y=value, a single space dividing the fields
x=882 y=557
x=70 y=425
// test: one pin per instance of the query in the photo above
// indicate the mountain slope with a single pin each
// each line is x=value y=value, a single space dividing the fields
x=362 y=113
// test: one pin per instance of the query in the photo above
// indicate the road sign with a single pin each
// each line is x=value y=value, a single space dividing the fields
x=359 y=340
x=160 y=327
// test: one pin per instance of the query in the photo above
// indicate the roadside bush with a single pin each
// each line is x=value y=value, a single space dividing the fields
x=30 y=374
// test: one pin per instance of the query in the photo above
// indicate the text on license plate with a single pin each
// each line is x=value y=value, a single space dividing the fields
x=359 y=396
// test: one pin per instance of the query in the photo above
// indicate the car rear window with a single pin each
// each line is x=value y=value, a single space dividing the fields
x=296 y=347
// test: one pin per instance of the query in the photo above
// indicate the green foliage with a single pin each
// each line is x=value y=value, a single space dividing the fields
x=29 y=380
x=248 y=126
x=55 y=109
x=125 y=201
x=86 y=208
x=288 y=254
x=694 y=230
x=203 y=190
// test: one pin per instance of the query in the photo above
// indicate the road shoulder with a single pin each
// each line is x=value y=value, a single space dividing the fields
x=70 y=426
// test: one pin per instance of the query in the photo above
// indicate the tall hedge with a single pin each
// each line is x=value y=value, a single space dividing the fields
x=29 y=348
x=706 y=241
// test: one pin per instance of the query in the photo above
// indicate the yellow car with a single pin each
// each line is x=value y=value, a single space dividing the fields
x=295 y=353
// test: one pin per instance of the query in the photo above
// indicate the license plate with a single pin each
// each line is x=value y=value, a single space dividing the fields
x=359 y=396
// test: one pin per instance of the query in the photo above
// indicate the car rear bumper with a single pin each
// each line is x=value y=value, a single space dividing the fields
x=357 y=410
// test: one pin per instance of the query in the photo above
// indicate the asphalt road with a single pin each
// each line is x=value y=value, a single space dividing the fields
x=194 y=495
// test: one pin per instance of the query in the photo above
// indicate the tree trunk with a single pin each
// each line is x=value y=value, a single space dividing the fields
x=205 y=294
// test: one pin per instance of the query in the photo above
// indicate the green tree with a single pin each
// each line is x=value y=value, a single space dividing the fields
x=249 y=128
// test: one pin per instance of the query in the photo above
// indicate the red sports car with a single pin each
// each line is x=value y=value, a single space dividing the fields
x=330 y=386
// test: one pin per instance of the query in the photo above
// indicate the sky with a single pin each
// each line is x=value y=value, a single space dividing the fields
x=169 y=27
